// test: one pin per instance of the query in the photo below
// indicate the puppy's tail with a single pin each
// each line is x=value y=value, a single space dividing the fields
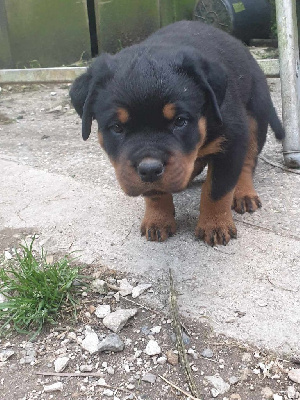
x=276 y=124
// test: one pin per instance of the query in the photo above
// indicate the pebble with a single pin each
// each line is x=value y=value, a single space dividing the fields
x=5 y=355
x=172 y=357
x=108 y=392
x=291 y=392
x=235 y=396
x=116 y=320
x=110 y=370
x=86 y=368
x=162 y=360
x=155 y=329
x=214 y=392
x=53 y=93
x=7 y=255
x=60 y=363
x=57 y=386
x=218 y=383
x=91 y=341
x=207 y=353
x=2 y=298
x=150 y=378
x=294 y=375
x=99 y=286
x=139 y=289
x=111 y=343
x=125 y=288
x=152 y=348
x=267 y=393
x=277 y=397
x=233 y=380
x=102 y=311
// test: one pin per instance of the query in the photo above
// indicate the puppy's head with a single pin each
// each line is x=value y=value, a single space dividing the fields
x=152 y=109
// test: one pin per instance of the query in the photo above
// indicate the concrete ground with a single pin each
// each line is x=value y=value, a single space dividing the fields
x=54 y=184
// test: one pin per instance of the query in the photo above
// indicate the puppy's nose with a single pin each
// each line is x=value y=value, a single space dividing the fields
x=150 y=169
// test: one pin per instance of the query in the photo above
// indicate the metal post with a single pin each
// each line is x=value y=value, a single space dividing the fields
x=290 y=79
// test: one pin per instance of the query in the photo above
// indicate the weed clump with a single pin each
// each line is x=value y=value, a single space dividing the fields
x=36 y=292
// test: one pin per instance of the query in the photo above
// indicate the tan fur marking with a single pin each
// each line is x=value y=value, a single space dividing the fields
x=202 y=124
x=169 y=111
x=159 y=222
x=212 y=148
x=245 y=196
x=100 y=138
x=215 y=225
x=123 y=115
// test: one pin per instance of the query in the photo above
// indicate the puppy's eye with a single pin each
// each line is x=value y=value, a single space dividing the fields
x=180 y=122
x=118 y=128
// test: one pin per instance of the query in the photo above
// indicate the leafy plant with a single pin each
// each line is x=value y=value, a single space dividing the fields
x=36 y=292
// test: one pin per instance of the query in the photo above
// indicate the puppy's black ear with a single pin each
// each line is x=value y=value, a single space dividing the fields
x=209 y=75
x=83 y=90
x=79 y=91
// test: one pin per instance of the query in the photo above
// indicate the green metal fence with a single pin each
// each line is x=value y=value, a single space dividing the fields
x=52 y=33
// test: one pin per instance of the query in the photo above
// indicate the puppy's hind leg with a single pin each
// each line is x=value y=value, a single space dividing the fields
x=245 y=198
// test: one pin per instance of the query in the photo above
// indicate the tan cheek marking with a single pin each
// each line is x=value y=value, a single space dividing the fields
x=169 y=111
x=100 y=138
x=123 y=115
x=212 y=148
x=202 y=128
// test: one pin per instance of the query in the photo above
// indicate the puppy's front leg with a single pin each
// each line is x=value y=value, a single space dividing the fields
x=159 y=222
x=215 y=224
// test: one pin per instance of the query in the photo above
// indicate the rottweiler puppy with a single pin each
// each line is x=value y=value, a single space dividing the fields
x=188 y=96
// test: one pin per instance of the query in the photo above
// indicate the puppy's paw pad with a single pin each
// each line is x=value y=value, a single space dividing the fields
x=214 y=234
x=158 y=231
x=248 y=203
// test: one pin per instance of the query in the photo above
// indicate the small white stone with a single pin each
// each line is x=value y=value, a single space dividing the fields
x=108 y=393
x=152 y=348
x=7 y=255
x=218 y=383
x=294 y=375
x=61 y=363
x=2 y=298
x=139 y=289
x=130 y=386
x=155 y=329
x=277 y=397
x=101 y=382
x=125 y=288
x=102 y=311
x=57 y=386
x=86 y=368
x=116 y=320
x=91 y=341
x=53 y=93
x=110 y=370
x=162 y=360
x=6 y=354
x=291 y=392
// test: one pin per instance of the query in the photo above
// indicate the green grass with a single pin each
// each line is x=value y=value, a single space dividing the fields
x=37 y=292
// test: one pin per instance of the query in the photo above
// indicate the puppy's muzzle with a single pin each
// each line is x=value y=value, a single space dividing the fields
x=150 y=169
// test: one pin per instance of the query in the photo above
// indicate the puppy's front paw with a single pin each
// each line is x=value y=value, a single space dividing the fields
x=158 y=228
x=246 y=203
x=216 y=232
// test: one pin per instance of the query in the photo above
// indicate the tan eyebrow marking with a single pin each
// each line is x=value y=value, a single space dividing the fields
x=123 y=115
x=169 y=111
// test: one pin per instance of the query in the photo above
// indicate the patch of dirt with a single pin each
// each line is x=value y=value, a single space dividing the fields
x=245 y=372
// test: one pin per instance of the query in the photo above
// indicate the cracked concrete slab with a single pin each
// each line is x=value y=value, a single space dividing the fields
x=64 y=189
